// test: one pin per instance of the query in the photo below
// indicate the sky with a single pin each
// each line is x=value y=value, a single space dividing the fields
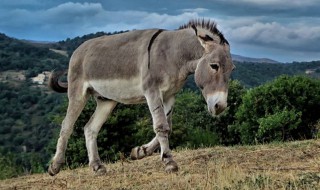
x=283 y=30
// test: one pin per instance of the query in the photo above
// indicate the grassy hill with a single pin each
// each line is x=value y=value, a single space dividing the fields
x=19 y=55
x=254 y=74
x=293 y=165
x=240 y=58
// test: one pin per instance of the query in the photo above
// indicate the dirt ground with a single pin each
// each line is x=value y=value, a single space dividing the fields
x=293 y=165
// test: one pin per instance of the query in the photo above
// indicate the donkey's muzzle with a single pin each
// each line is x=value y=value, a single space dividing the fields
x=217 y=103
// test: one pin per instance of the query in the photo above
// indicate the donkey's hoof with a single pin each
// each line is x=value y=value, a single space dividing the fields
x=100 y=170
x=54 y=169
x=171 y=167
x=135 y=154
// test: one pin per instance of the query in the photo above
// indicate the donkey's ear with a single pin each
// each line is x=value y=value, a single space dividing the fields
x=207 y=42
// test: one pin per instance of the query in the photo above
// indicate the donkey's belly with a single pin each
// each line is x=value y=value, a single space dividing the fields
x=120 y=90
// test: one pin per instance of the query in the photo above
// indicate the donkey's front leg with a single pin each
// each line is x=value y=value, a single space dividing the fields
x=161 y=128
x=140 y=152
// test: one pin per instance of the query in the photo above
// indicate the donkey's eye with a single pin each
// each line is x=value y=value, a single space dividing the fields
x=214 y=67
x=233 y=68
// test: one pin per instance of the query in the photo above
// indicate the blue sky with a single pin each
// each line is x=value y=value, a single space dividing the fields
x=284 y=30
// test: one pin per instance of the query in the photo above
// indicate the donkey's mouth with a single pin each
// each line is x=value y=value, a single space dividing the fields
x=217 y=109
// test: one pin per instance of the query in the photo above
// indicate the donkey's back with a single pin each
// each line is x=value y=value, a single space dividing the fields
x=112 y=57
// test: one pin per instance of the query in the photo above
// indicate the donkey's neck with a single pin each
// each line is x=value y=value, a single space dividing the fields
x=193 y=51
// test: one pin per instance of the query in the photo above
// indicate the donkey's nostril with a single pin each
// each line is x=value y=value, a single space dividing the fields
x=219 y=108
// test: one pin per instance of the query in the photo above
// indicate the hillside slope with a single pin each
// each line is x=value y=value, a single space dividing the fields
x=240 y=58
x=294 y=165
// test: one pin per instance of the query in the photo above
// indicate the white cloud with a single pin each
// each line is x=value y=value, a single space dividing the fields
x=196 y=10
x=277 y=35
x=144 y=20
x=81 y=18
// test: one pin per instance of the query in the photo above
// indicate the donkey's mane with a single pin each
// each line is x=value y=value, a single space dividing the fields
x=206 y=24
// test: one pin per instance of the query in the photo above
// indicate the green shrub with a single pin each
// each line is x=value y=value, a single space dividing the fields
x=278 y=126
x=282 y=108
x=8 y=166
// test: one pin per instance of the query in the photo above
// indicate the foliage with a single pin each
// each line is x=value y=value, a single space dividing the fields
x=8 y=167
x=25 y=126
x=192 y=122
x=254 y=74
x=278 y=126
x=279 y=110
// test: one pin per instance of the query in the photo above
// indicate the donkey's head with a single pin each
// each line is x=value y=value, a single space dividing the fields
x=215 y=66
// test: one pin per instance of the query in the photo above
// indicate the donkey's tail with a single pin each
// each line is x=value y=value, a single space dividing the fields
x=55 y=84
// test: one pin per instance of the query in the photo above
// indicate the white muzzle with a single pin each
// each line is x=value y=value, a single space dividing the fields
x=217 y=102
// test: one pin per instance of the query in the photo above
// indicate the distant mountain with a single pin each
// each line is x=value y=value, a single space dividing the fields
x=243 y=59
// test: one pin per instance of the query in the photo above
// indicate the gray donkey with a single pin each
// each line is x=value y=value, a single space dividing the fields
x=142 y=66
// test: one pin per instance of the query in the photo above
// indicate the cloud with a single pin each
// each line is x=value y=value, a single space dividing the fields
x=285 y=3
x=276 y=35
x=11 y=3
x=197 y=10
x=72 y=11
x=73 y=19
x=269 y=25
x=283 y=8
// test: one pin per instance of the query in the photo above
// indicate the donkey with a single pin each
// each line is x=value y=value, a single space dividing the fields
x=142 y=66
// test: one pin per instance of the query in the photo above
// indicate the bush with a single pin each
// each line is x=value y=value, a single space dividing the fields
x=283 y=109
x=278 y=126
x=8 y=166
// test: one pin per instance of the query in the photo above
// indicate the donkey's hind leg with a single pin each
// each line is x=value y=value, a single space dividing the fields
x=91 y=130
x=75 y=106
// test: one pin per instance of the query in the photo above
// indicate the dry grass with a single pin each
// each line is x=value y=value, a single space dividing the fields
x=294 y=165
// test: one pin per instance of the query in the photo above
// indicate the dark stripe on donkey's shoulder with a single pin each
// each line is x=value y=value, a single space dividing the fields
x=155 y=35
